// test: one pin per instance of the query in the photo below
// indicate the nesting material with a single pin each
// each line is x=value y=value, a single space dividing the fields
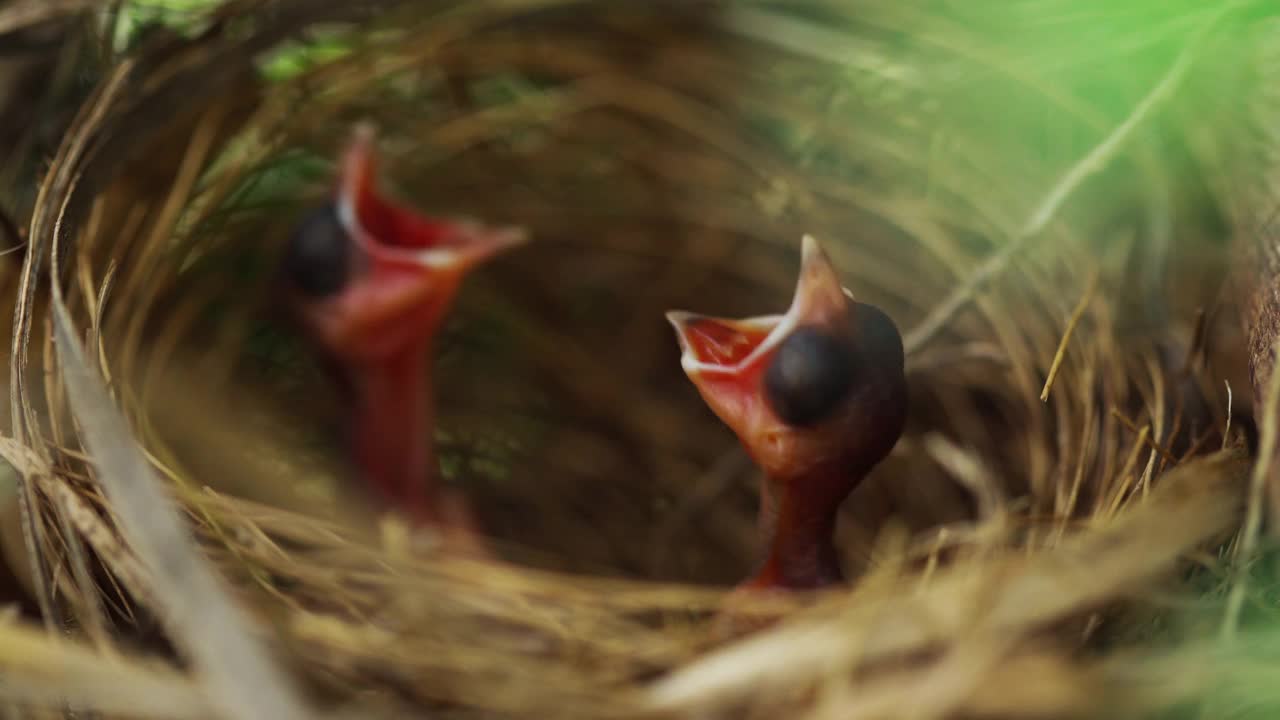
x=1056 y=533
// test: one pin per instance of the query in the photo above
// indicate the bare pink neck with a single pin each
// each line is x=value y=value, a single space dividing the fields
x=797 y=521
x=394 y=446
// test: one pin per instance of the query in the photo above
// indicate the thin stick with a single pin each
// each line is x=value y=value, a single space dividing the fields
x=1151 y=443
x=1253 y=512
x=1226 y=432
x=1074 y=320
x=1126 y=471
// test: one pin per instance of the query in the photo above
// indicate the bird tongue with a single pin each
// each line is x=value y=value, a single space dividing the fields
x=716 y=342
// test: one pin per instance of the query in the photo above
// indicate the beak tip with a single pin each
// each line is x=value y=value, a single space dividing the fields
x=364 y=132
x=356 y=168
x=360 y=147
x=819 y=282
x=680 y=319
x=494 y=241
x=811 y=252
x=513 y=236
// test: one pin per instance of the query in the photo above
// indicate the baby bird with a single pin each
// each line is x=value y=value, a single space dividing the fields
x=817 y=396
x=372 y=283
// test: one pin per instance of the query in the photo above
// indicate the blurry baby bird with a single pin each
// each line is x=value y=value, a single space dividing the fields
x=372 y=283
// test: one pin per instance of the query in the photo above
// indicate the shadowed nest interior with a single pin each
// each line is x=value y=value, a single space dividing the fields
x=1039 y=193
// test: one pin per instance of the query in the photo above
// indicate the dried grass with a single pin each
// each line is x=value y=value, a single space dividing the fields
x=1015 y=556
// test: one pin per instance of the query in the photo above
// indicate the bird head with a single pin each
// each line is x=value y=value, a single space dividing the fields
x=369 y=277
x=818 y=389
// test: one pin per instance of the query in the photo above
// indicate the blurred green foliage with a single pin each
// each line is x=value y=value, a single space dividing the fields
x=137 y=18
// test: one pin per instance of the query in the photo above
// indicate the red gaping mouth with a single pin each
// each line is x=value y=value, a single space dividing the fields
x=713 y=344
x=392 y=233
x=722 y=346
x=403 y=269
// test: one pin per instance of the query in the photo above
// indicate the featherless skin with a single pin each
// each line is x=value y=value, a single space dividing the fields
x=817 y=397
x=372 y=283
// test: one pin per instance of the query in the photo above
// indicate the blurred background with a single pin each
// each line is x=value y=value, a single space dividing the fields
x=1011 y=182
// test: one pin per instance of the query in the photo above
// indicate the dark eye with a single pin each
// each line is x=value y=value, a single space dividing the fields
x=810 y=374
x=317 y=259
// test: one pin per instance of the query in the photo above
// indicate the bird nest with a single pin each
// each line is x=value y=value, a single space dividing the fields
x=1051 y=536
